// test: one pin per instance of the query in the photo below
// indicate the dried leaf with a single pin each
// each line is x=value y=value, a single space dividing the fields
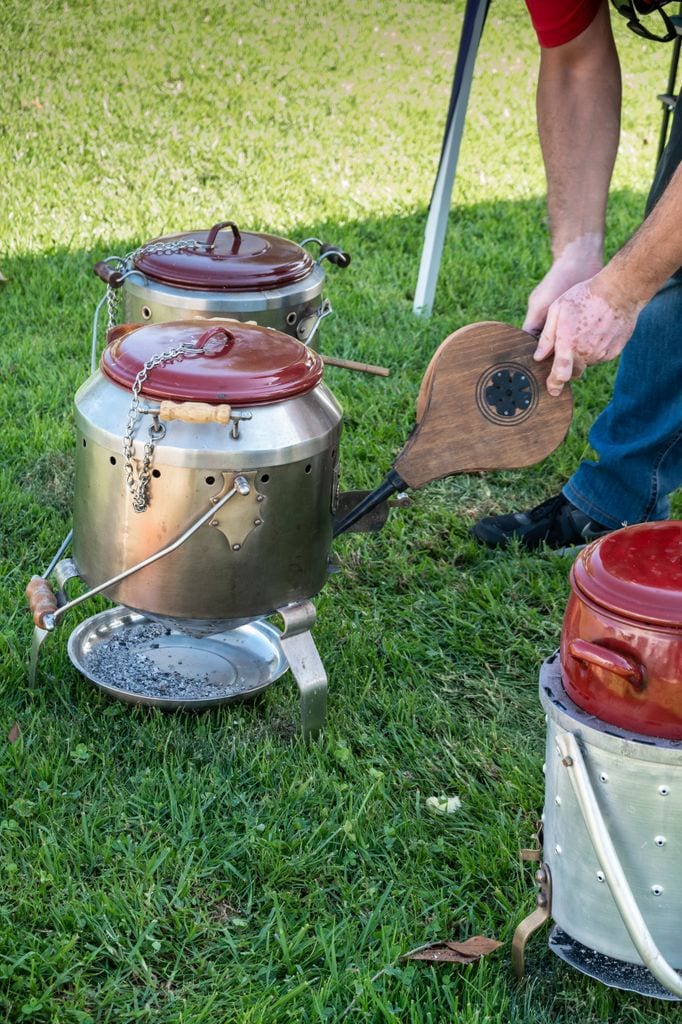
x=468 y=952
x=477 y=945
x=14 y=733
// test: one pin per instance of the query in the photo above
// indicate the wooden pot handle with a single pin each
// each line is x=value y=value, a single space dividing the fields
x=41 y=599
x=620 y=664
x=195 y=412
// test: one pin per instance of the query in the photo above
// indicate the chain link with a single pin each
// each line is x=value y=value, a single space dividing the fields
x=138 y=488
x=112 y=306
x=127 y=264
x=163 y=248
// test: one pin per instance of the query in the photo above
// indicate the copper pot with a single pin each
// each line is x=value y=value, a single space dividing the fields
x=621 y=644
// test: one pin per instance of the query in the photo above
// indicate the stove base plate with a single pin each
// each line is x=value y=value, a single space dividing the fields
x=139 y=661
x=611 y=972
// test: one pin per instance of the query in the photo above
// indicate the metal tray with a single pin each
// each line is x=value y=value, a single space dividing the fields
x=146 y=663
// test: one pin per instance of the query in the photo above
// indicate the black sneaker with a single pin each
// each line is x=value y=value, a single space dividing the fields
x=556 y=523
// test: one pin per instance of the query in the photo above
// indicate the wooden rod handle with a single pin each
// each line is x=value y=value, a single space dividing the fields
x=114 y=278
x=41 y=599
x=195 y=412
x=350 y=364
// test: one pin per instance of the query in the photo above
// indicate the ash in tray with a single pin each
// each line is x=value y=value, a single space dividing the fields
x=149 y=661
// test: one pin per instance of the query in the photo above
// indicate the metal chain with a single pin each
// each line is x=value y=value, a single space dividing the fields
x=164 y=248
x=127 y=264
x=112 y=306
x=138 y=489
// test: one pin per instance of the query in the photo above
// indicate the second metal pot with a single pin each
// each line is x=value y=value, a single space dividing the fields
x=224 y=273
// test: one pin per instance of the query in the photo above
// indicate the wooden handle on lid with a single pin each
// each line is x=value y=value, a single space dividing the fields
x=195 y=412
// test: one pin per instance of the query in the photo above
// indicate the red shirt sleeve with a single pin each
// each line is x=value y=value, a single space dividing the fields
x=560 y=21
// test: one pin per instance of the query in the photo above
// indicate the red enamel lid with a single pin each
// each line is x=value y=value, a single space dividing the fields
x=635 y=572
x=224 y=259
x=220 y=361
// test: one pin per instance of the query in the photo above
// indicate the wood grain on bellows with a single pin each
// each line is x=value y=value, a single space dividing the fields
x=460 y=430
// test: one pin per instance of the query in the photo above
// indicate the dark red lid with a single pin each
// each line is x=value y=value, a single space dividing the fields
x=224 y=259
x=635 y=572
x=221 y=361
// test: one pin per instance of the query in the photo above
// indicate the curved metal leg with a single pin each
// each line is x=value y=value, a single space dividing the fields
x=536 y=919
x=306 y=665
x=38 y=638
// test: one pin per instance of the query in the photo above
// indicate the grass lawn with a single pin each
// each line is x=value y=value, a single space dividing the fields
x=210 y=867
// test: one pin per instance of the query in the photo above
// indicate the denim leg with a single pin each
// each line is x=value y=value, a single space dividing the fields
x=638 y=436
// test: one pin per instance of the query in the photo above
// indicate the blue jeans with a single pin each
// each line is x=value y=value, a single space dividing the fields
x=638 y=436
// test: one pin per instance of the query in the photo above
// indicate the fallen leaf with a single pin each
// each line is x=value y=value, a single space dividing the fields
x=14 y=733
x=468 y=952
x=444 y=804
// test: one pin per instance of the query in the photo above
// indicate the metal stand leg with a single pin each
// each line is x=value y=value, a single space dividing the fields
x=530 y=924
x=306 y=665
x=38 y=637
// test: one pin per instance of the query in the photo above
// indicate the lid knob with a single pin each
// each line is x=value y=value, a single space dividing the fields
x=214 y=341
x=213 y=234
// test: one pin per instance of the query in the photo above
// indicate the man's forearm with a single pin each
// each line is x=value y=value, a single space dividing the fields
x=578 y=106
x=654 y=252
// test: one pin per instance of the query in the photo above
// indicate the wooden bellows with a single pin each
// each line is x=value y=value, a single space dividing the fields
x=483 y=405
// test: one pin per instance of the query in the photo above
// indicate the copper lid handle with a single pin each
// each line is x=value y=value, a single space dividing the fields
x=213 y=234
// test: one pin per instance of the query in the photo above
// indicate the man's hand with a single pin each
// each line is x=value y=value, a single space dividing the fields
x=579 y=260
x=588 y=324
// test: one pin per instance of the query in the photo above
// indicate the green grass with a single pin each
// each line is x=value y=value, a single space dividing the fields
x=190 y=868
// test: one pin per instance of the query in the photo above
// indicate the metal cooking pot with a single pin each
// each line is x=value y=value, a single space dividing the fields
x=223 y=273
x=621 y=645
x=223 y=438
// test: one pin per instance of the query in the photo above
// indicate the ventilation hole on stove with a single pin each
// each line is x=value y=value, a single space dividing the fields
x=308 y=468
x=146 y=313
x=265 y=477
x=156 y=473
x=291 y=318
x=85 y=443
x=210 y=480
x=112 y=460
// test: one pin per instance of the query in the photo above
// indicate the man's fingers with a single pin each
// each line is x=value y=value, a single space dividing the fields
x=546 y=340
x=533 y=323
x=562 y=367
x=532 y=327
x=536 y=314
x=560 y=374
